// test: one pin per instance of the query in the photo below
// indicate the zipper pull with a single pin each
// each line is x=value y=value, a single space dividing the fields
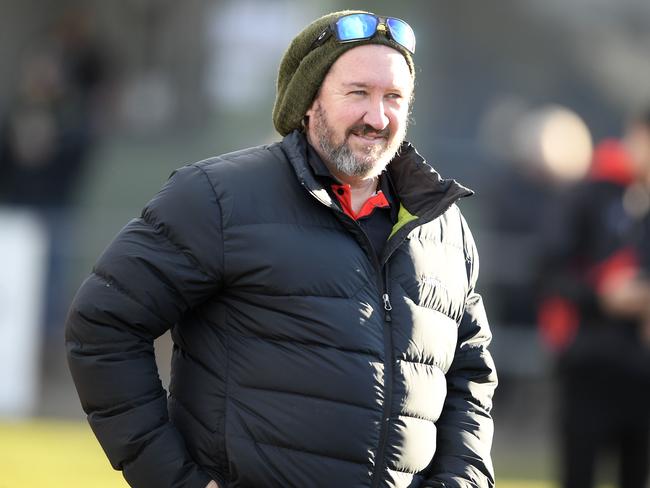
x=387 y=307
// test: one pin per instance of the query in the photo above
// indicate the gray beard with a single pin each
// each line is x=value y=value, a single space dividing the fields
x=342 y=157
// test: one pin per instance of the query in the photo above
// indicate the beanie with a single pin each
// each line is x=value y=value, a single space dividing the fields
x=302 y=71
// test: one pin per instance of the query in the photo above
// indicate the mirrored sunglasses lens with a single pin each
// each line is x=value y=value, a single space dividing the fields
x=356 y=26
x=402 y=33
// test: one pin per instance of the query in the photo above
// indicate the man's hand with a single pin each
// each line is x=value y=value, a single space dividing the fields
x=212 y=484
x=629 y=298
x=626 y=297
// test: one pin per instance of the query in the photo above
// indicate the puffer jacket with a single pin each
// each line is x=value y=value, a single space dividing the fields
x=300 y=359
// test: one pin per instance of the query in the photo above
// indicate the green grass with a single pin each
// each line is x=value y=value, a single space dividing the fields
x=62 y=454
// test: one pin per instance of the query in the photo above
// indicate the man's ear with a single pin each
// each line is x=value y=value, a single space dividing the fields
x=312 y=109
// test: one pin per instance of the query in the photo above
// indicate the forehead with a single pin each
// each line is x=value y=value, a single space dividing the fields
x=371 y=64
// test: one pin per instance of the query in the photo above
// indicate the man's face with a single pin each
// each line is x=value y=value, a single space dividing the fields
x=359 y=117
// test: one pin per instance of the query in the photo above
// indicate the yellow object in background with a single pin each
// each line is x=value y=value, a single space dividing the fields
x=56 y=454
x=65 y=454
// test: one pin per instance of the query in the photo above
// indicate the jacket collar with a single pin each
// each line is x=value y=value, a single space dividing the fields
x=422 y=192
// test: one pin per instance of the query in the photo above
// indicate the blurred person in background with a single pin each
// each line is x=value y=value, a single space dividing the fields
x=320 y=293
x=46 y=136
x=541 y=150
x=595 y=311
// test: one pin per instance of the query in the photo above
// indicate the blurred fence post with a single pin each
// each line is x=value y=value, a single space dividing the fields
x=23 y=258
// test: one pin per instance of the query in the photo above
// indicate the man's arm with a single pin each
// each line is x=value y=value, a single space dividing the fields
x=465 y=428
x=156 y=269
x=628 y=296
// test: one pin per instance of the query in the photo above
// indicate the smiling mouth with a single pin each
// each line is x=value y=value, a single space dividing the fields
x=369 y=135
x=369 y=138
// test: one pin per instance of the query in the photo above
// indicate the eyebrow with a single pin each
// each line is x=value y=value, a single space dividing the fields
x=359 y=84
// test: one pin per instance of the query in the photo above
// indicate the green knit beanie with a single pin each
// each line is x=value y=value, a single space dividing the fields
x=302 y=71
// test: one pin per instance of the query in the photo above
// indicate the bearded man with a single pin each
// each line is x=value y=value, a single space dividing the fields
x=320 y=293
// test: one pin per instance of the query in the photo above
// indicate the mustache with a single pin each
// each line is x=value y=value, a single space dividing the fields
x=368 y=130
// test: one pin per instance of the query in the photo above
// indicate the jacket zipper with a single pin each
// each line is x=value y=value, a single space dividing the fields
x=388 y=341
x=382 y=286
x=388 y=344
x=387 y=307
x=388 y=375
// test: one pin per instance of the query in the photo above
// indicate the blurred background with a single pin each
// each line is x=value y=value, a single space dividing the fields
x=100 y=101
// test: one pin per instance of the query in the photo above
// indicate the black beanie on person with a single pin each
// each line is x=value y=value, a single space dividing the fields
x=302 y=71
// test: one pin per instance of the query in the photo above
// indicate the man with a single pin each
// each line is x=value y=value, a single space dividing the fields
x=320 y=295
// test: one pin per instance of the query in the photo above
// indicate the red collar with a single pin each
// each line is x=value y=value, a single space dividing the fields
x=343 y=195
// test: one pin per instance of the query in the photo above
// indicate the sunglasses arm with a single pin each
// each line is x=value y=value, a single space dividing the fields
x=321 y=39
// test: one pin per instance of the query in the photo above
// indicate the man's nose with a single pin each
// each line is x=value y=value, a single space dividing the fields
x=375 y=115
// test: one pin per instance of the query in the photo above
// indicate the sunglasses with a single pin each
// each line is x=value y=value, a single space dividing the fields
x=358 y=27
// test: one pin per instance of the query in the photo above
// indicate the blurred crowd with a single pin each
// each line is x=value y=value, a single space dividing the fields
x=576 y=222
x=47 y=134
x=594 y=309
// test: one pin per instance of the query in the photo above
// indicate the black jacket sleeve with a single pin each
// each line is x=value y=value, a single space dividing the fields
x=156 y=269
x=465 y=428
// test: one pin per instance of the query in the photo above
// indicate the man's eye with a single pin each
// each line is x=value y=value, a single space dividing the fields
x=395 y=96
x=358 y=92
